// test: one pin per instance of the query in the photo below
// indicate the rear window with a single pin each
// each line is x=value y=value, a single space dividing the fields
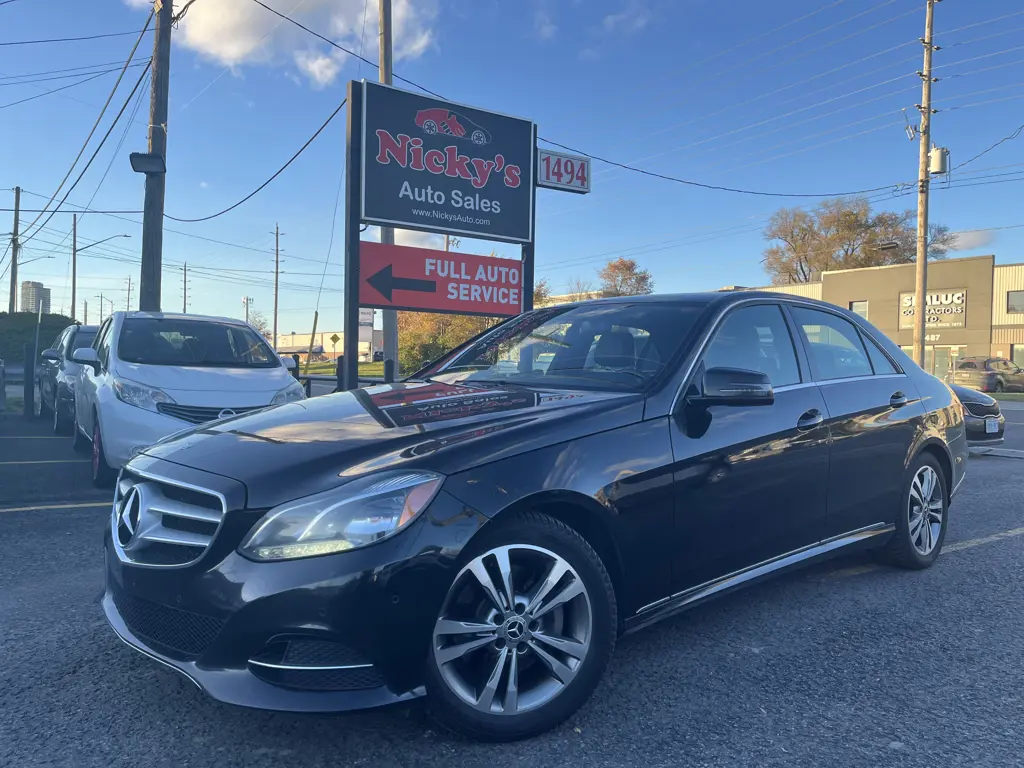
x=82 y=340
x=967 y=365
x=192 y=343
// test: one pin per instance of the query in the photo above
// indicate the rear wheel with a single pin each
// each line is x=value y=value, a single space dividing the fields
x=999 y=387
x=525 y=633
x=921 y=524
x=60 y=418
x=102 y=474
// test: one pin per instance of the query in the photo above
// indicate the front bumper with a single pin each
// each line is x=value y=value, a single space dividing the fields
x=229 y=624
x=127 y=430
x=977 y=433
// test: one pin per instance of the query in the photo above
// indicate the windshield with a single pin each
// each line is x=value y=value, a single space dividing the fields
x=597 y=346
x=83 y=340
x=183 y=342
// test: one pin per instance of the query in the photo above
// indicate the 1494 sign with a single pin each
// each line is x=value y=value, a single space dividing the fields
x=570 y=173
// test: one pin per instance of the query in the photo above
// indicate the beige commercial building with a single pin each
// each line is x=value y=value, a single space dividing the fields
x=974 y=306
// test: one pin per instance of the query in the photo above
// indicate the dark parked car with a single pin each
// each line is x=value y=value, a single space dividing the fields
x=988 y=374
x=378 y=356
x=984 y=422
x=486 y=535
x=58 y=374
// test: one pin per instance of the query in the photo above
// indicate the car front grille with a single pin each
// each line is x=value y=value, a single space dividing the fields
x=160 y=523
x=982 y=409
x=195 y=414
x=183 y=633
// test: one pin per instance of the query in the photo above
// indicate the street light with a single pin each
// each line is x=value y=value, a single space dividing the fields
x=90 y=245
x=74 y=262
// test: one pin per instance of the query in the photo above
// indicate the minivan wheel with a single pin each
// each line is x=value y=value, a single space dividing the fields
x=921 y=524
x=524 y=634
x=102 y=474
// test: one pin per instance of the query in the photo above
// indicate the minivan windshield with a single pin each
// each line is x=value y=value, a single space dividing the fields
x=611 y=345
x=196 y=343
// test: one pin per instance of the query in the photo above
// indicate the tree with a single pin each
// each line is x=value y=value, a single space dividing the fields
x=426 y=336
x=844 y=234
x=260 y=323
x=541 y=292
x=623 y=277
x=579 y=289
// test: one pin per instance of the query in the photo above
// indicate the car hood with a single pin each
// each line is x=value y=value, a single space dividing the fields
x=180 y=379
x=308 y=446
x=967 y=395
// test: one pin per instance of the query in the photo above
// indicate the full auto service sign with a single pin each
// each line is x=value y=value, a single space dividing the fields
x=434 y=165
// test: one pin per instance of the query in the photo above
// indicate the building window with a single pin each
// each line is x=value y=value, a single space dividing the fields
x=861 y=308
x=1017 y=354
x=1015 y=302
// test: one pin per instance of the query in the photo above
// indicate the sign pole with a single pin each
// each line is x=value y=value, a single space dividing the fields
x=354 y=170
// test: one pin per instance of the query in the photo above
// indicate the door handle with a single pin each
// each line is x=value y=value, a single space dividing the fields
x=810 y=420
x=898 y=400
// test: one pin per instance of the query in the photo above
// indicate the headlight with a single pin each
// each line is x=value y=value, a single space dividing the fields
x=354 y=515
x=293 y=391
x=140 y=395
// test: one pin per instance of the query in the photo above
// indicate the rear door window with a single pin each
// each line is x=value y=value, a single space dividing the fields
x=833 y=344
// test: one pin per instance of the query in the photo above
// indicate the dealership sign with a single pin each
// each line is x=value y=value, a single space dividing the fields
x=427 y=280
x=943 y=309
x=433 y=165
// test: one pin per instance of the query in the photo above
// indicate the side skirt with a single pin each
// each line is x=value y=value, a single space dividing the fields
x=863 y=538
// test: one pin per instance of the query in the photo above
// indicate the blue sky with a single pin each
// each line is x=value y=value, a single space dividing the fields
x=791 y=96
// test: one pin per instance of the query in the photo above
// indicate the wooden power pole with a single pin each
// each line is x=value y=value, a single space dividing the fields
x=277 y=269
x=923 y=185
x=74 y=263
x=13 y=304
x=389 y=317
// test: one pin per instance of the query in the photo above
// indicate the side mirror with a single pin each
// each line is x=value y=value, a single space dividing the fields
x=289 y=363
x=50 y=354
x=87 y=356
x=735 y=386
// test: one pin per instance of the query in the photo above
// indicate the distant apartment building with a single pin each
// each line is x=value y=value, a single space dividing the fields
x=32 y=295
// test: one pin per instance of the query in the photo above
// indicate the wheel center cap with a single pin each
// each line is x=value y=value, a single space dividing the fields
x=515 y=629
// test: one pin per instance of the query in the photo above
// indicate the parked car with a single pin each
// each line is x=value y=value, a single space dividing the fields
x=485 y=536
x=988 y=374
x=58 y=374
x=378 y=356
x=984 y=422
x=149 y=375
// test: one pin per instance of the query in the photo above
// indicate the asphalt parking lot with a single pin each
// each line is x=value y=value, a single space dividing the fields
x=847 y=664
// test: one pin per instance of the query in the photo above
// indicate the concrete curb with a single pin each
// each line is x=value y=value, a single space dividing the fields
x=1002 y=453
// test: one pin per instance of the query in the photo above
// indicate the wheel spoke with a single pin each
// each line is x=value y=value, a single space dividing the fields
x=453 y=627
x=512 y=687
x=558 y=669
x=505 y=569
x=452 y=652
x=555 y=574
x=916 y=522
x=572 y=590
x=483 y=578
x=487 y=694
x=569 y=647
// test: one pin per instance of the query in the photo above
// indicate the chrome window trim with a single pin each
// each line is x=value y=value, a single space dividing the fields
x=765 y=567
x=178 y=484
x=780 y=301
x=848 y=379
x=268 y=665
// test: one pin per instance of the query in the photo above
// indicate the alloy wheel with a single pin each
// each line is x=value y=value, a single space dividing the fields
x=514 y=630
x=925 y=507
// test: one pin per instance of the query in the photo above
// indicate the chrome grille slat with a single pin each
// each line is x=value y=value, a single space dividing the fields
x=143 y=524
x=198 y=414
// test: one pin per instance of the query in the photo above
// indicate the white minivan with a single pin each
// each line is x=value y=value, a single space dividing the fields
x=150 y=374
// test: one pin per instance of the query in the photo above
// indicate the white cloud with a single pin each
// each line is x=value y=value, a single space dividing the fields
x=203 y=184
x=969 y=241
x=543 y=25
x=633 y=18
x=238 y=32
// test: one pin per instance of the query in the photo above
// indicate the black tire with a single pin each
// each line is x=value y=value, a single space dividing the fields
x=103 y=475
x=44 y=411
x=60 y=419
x=79 y=442
x=537 y=530
x=901 y=550
x=999 y=386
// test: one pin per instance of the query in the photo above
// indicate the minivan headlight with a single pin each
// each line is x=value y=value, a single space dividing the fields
x=140 y=395
x=294 y=391
x=354 y=515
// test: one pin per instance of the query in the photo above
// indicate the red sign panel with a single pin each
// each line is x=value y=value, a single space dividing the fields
x=425 y=280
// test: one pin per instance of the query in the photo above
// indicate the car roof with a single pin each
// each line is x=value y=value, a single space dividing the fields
x=182 y=316
x=721 y=298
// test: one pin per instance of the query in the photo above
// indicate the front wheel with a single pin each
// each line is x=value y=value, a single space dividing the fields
x=103 y=475
x=921 y=524
x=524 y=634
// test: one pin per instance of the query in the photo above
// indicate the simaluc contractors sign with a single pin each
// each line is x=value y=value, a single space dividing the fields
x=943 y=309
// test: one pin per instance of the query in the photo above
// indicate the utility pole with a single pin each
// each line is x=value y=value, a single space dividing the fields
x=247 y=302
x=923 y=185
x=184 y=289
x=153 y=210
x=74 y=262
x=389 y=317
x=277 y=269
x=128 y=304
x=13 y=305
x=85 y=312
x=100 y=297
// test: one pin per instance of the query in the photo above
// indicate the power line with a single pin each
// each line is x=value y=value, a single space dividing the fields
x=276 y=174
x=55 y=90
x=96 y=125
x=67 y=69
x=1003 y=140
x=71 y=39
x=67 y=77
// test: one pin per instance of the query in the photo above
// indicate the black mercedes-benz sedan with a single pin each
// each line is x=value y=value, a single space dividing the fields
x=485 y=530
